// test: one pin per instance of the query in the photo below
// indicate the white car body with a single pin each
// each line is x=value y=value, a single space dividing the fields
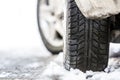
x=95 y=9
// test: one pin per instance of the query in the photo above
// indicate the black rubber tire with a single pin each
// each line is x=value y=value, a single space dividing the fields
x=50 y=47
x=87 y=41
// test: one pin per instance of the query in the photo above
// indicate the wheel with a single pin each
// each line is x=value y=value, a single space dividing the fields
x=86 y=41
x=50 y=18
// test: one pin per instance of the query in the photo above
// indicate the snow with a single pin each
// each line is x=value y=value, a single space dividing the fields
x=56 y=71
x=24 y=55
x=114 y=49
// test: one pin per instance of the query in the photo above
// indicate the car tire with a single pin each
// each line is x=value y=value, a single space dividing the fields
x=86 y=41
x=53 y=49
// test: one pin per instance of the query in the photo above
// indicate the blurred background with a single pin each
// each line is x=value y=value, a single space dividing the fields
x=18 y=25
x=21 y=47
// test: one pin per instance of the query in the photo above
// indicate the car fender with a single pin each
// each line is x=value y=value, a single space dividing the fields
x=98 y=9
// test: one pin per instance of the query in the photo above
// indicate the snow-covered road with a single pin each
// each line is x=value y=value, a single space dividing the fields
x=23 y=55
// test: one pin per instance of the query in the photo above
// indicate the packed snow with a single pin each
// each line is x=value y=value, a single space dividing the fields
x=55 y=70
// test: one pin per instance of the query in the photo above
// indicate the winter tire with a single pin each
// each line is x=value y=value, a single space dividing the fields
x=87 y=41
